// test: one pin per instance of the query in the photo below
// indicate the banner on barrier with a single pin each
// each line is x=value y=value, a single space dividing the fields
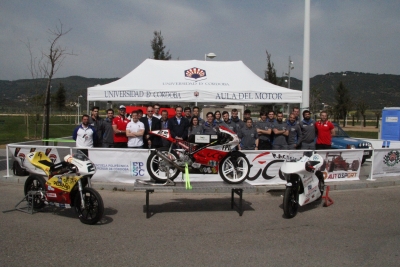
x=339 y=165
x=386 y=162
x=128 y=165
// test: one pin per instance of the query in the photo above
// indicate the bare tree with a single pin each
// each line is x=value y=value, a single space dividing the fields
x=315 y=99
x=378 y=115
x=362 y=108
x=37 y=77
x=53 y=61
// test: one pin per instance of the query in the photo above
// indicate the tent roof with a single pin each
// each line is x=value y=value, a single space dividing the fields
x=193 y=81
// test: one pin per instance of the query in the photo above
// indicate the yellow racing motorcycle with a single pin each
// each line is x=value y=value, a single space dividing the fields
x=68 y=185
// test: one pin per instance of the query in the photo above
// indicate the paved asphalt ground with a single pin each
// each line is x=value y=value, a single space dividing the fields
x=361 y=228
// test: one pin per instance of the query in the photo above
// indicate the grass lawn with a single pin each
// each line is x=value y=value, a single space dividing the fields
x=14 y=128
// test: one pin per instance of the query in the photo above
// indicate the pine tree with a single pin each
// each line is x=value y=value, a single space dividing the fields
x=270 y=72
x=157 y=44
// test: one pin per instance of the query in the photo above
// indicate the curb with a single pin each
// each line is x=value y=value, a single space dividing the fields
x=257 y=189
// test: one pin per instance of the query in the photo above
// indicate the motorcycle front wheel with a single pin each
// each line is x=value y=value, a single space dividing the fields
x=35 y=183
x=290 y=202
x=94 y=207
x=157 y=168
x=234 y=172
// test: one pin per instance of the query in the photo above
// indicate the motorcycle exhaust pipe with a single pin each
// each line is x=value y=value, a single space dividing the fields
x=161 y=155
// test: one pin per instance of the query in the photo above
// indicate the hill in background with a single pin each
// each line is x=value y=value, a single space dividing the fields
x=377 y=90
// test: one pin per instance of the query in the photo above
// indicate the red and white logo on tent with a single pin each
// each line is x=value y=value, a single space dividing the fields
x=195 y=74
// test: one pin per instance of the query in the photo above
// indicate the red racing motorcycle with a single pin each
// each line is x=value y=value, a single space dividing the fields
x=206 y=154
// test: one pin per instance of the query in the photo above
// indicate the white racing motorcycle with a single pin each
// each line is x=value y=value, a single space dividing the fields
x=304 y=183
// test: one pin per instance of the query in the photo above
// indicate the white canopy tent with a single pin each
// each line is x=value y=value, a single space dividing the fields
x=180 y=81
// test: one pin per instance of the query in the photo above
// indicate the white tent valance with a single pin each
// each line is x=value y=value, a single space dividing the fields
x=193 y=81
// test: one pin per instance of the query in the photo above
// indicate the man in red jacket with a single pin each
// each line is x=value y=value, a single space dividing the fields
x=325 y=131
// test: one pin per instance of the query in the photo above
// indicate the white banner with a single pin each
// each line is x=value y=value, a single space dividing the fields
x=386 y=162
x=127 y=165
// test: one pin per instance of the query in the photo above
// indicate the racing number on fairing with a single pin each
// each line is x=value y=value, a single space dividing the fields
x=90 y=167
x=264 y=172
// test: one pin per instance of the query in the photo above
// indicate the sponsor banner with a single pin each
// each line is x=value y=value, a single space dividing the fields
x=20 y=154
x=119 y=166
x=128 y=165
x=339 y=165
x=267 y=164
x=386 y=162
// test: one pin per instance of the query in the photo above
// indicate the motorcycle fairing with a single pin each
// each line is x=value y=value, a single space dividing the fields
x=41 y=161
x=311 y=191
x=63 y=182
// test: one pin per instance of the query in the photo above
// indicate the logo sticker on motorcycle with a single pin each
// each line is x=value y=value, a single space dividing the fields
x=51 y=194
x=53 y=158
x=163 y=133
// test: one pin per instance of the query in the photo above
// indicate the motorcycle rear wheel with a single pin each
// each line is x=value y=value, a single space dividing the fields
x=290 y=202
x=233 y=175
x=35 y=183
x=153 y=166
x=94 y=207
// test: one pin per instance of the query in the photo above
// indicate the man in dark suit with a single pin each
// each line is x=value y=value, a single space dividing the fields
x=179 y=125
x=151 y=123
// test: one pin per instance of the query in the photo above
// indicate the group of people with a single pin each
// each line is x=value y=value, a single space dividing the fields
x=269 y=132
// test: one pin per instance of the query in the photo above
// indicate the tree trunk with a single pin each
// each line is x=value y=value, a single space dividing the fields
x=365 y=120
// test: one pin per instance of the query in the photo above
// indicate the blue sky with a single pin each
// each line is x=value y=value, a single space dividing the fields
x=111 y=38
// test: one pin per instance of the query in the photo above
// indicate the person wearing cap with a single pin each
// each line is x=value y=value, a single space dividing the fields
x=119 y=126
